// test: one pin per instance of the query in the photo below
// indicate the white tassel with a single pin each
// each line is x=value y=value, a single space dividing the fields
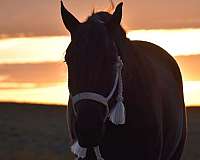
x=78 y=150
x=117 y=115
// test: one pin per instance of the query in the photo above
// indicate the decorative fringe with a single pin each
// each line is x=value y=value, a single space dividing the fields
x=78 y=150
x=117 y=115
x=81 y=152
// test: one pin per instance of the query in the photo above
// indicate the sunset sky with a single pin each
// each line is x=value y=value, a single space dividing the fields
x=33 y=40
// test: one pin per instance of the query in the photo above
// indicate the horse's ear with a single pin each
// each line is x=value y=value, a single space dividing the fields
x=71 y=23
x=116 y=17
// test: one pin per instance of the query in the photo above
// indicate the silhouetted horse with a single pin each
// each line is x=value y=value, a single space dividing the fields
x=155 y=122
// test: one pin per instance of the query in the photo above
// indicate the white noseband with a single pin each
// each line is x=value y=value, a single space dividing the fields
x=99 y=98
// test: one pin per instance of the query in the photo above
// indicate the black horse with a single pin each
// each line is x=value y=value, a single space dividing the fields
x=155 y=124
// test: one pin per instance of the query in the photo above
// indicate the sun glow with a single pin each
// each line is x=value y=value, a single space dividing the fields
x=175 y=41
x=33 y=49
x=40 y=49
x=192 y=93
x=46 y=49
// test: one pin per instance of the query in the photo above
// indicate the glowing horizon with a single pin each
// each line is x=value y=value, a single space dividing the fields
x=59 y=94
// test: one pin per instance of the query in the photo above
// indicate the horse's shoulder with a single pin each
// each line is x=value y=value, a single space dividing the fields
x=158 y=55
x=150 y=49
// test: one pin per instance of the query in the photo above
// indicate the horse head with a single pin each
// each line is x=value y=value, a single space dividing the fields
x=91 y=58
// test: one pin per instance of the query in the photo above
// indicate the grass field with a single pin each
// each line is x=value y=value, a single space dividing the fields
x=38 y=132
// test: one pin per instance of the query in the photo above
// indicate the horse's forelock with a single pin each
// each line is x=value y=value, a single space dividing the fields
x=100 y=16
x=104 y=17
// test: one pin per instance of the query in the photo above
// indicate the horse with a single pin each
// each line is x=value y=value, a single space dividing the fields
x=126 y=97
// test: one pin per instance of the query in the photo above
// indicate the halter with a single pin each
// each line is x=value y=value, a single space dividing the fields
x=116 y=115
x=97 y=97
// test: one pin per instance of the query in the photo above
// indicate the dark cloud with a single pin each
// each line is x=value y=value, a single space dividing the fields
x=42 y=17
x=30 y=17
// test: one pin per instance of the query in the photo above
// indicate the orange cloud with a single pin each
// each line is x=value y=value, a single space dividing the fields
x=190 y=67
x=38 y=73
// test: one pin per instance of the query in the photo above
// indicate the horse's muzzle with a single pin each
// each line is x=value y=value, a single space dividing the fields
x=90 y=137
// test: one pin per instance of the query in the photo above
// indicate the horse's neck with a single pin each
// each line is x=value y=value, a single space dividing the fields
x=121 y=43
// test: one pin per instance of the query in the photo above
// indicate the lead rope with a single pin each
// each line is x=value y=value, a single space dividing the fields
x=98 y=153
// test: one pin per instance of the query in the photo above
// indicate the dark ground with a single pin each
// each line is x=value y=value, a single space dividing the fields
x=38 y=132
